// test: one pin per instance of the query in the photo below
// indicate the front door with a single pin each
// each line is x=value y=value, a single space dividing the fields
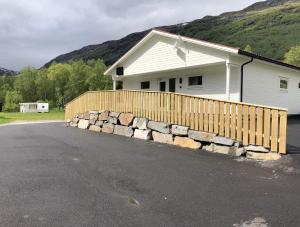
x=172 y=85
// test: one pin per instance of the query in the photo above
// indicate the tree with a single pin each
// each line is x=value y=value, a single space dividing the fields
x=25 y=84
x=96 y=79
x=248 y=48
x=12 y=100
x=59 y=74
x=293 y=56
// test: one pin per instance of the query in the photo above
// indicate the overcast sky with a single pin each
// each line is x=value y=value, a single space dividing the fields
x=32 y=32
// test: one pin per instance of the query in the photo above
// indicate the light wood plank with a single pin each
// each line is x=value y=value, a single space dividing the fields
x=227 y=120
x=246 y=126
x=282 y=132
x=239 y=133
x=274 y=135
x=267 y=119
x=222 y=125
x=252 y=125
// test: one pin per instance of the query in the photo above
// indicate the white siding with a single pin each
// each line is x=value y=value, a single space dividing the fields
x=214 y=80
x=159 y=54
x=262 y=86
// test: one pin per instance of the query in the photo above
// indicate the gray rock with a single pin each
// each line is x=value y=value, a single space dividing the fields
x=123 y=131
x=73 y=125
x=140 y=123
x=257 y=149
x=92 y=122
x=228 y=150
x=75 y=120
x=223 y=141
x=179 y=130
x=201 y=136
x=113 y=120
x=114 y=114
x=95 y=128
x=83 y=124
x=99 y=123
x=94 y=117
x=143 y=134
x=162 y=138
x=108 y=128
x=159 y=126
x=263 y=156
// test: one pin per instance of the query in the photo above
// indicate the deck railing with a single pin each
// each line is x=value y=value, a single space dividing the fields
x=248 y=123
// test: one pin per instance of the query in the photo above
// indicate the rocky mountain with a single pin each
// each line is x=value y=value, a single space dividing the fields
x=270 y=27
x=7 y=72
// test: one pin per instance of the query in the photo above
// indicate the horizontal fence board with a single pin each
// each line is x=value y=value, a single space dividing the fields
x=244 y=122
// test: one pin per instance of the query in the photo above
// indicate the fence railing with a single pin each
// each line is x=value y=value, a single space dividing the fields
x=248 y=123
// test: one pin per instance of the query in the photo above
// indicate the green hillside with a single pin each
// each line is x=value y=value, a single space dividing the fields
x=271 y=28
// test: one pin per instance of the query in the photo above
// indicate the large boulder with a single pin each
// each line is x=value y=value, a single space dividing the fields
x=257 y=149
x=86 y=116
x=94 y=117
x=83 y=124
x=95 y=128
x=123 y=131
x=99 y=123
x=108 y=128
x=201 y=136
x=92 y=122
x=223 y=141
x=186 y=143
x=113 y=120
x=126 y=119
x=143 y=134
x=73 y=125
x=228 y=150
x=75 y=120
x=104 y=116
x=140 y=123
x=263 y=156
x=114 y=114
x=179 y=130
x=162 y=138
x=159 y=127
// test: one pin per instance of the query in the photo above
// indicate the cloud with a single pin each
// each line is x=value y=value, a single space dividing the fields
x=35 y=31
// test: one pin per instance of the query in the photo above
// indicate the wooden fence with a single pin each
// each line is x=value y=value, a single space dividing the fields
x=247 y=123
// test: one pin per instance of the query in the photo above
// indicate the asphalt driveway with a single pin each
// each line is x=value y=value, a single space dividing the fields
x=51 y=175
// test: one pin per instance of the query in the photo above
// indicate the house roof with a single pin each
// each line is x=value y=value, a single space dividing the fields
x=228 y=49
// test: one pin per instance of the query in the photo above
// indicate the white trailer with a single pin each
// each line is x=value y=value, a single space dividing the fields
x=34 y=107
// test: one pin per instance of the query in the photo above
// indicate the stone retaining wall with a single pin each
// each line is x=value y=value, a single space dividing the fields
x=126 y=124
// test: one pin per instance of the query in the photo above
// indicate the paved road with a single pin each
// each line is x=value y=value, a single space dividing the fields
x=56 y=176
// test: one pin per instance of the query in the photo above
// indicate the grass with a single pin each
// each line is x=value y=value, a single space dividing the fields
x=12 y=117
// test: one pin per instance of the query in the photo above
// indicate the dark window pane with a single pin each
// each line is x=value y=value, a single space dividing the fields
x=145 y=85
x=195 y=80
x=283 y=84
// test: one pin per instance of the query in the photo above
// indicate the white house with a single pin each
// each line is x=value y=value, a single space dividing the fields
x=162 y=61
x=34 y=107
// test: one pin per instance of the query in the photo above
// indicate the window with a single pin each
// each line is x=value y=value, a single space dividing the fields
x=283 y=84
x=145 y=85
x=195 y=81
x=120 y=71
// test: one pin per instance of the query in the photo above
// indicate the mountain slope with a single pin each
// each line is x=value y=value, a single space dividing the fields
x=270 y=28
x=7 y=72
